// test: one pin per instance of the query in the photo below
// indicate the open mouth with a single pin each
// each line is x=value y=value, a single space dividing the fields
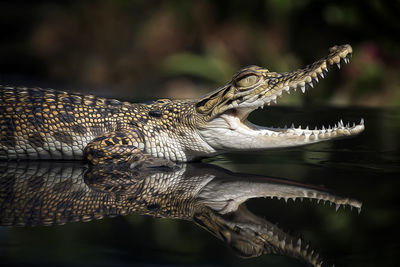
x=237 y=120
x=235 y=117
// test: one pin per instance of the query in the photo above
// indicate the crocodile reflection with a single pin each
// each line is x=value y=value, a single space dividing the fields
x=48 y=193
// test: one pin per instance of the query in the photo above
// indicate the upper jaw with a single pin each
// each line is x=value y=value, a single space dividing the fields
x=275 y=84
x=231 y=130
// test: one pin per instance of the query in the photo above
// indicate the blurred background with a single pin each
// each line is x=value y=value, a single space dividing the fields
x=137 y=50
x=181 y=49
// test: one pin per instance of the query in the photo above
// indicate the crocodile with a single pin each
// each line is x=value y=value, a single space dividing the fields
x=48 y=124
x=35 y=193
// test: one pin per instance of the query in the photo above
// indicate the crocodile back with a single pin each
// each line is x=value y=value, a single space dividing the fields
x=48 y=124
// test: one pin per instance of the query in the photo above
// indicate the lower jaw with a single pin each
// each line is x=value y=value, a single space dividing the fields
x=235 y=133
x=269 y=138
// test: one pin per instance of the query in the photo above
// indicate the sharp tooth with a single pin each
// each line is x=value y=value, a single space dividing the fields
x=322 y=75
x=274 y=100
x=326 y=69
x=303 y=89
x=338 y=65
x=311 y=84
x=292 y=126
x=362 y=121
x=316 y=79
x=337 y=207
x=354 y=124
x=346 y=60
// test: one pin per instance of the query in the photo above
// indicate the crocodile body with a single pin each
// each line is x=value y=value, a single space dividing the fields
x=48 y=124
x=34 y=193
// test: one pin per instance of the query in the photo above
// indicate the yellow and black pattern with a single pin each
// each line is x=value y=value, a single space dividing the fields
x=48 y=124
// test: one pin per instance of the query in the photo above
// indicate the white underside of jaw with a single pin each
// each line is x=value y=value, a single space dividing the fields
x=228 y=133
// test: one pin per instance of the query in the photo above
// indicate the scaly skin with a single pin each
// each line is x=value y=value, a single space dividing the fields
x=49 y=192
x=47 y=124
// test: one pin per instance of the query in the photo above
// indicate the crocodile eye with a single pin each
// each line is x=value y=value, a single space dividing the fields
x=247 y=81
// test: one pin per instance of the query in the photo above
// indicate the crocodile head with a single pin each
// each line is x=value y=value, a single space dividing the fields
x=225 y=110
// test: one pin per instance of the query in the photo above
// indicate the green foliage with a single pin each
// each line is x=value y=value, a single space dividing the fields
x=203 y=66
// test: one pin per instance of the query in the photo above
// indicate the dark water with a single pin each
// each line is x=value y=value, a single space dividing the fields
x=365 y=168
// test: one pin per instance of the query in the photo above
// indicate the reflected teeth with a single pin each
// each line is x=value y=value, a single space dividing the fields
x=326 y=199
